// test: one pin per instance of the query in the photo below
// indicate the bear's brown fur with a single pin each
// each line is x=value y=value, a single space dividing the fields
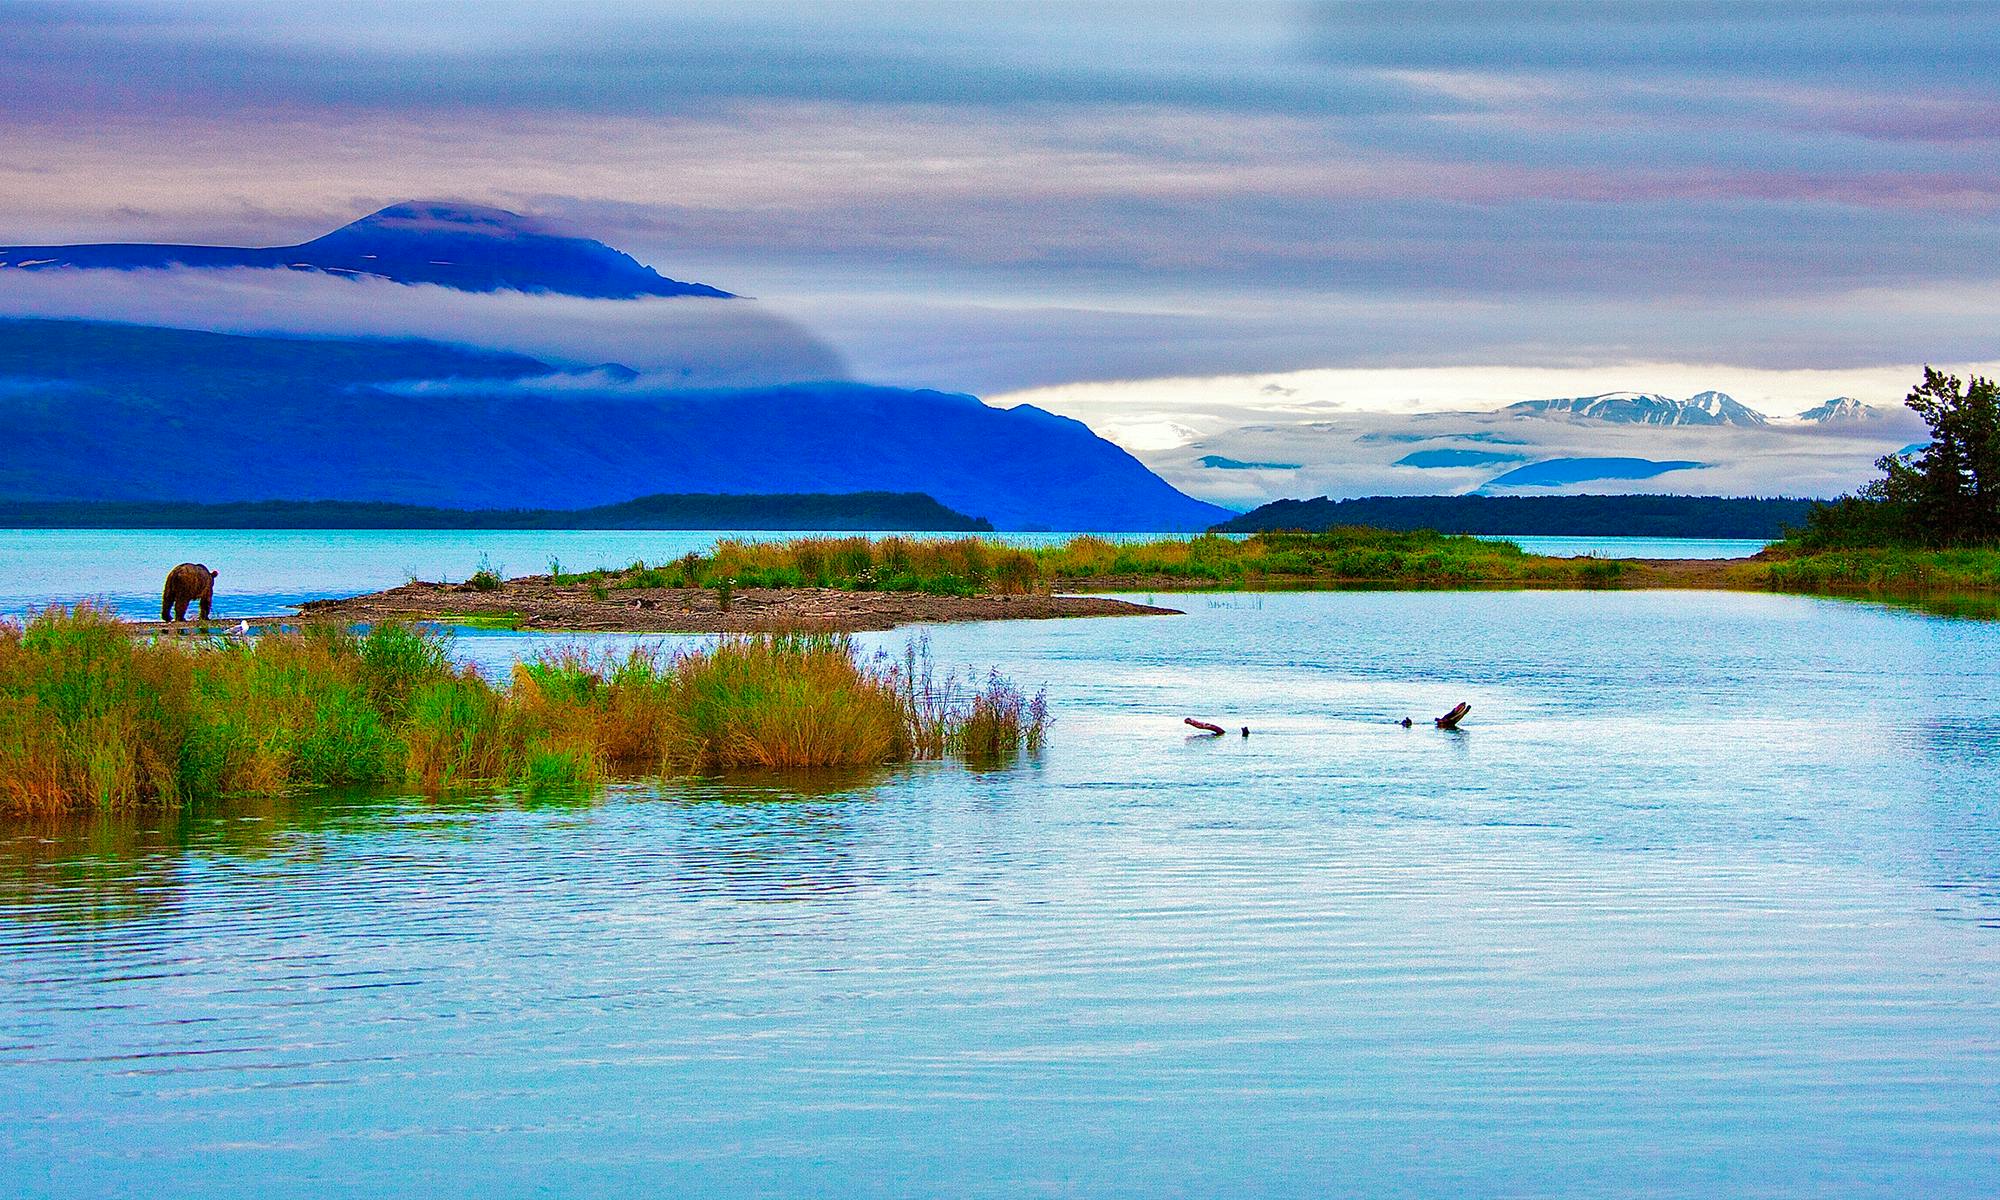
x=186 y=584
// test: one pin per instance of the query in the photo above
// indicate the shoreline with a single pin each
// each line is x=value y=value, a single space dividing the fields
x=540 y=604
x=537 y=603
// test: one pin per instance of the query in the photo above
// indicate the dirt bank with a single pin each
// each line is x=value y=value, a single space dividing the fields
x=538 y=603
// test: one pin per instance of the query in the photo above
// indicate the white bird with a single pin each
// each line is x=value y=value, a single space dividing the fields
x=242 y=629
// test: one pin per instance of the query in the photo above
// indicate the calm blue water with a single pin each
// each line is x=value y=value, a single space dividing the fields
x=1704 y=901
x=268 y=571
x=1637 y=547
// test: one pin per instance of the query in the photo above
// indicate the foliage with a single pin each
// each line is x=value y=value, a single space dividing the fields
x=1329 y=558
x=965 y=566
x=1908 y=570
x=486 y=577
x=93 y=717
x=1947 y=494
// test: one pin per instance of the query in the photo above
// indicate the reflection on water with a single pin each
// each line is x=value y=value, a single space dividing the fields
x=1704 y=900
x=1970 y=606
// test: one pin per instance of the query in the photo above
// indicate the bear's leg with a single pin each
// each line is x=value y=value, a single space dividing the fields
x=167 y=605
x=207 y=598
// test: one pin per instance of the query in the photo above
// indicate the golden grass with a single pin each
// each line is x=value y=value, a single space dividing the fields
x=93 y=717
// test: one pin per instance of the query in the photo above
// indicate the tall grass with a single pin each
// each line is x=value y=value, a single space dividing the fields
x=964 y=566
x=1351 y=555
x=1895 y=571
x=94 y=717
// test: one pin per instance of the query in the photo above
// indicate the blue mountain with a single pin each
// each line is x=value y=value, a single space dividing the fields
x=1557 y=472
x=462 y=246
x=96 y=411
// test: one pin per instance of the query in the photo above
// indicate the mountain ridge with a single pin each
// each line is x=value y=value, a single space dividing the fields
x=466 y=247
x=1708 y=408
x=1645 y=408
x=93 y=411
x=846 y=511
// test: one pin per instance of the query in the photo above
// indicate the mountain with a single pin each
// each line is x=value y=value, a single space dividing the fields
x=1645 y=408
x=1531 y=516
x=1558 y=472
x=1841 y=410
x=462 y=246
x=871 y=511
x=1218 y=462
x=95 y=411
x=1724 y=408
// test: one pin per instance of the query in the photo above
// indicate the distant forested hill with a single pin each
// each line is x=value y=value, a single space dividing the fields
x=1531 y=516
x=848 y=511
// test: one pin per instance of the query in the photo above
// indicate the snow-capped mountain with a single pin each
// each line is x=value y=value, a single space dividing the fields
x=1645 y=408
x=1726 y=410
x=468 y=247
x=1841 y=410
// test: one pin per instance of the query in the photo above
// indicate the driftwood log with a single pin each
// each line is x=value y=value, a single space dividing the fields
x=1451 y=719
x=1205 y=727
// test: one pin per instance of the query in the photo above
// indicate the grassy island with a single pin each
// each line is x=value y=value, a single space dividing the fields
x=93 y=717
x=860 y=583
x=962 y=566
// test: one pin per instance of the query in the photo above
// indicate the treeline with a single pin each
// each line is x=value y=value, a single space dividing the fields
x=1538 y=516
x=810 y=510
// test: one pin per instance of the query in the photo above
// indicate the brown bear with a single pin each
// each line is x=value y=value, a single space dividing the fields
x=186 y=584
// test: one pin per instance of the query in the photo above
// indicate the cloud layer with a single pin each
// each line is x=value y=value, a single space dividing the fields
x=686 y=340
x=996 y=196
x=1430 y=431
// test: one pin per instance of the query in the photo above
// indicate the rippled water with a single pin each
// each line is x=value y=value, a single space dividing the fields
x=267 y=571
x=1704 y=901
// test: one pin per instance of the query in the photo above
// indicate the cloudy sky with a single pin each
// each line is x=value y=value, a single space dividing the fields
x=999 y=197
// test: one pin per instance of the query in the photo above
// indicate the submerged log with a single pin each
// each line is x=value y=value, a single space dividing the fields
x=1205 y=727
x=1451 y=719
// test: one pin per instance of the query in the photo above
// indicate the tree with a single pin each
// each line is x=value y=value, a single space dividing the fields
x=1946 y=495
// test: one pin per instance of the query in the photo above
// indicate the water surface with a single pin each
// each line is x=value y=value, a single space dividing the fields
x=1704 y=900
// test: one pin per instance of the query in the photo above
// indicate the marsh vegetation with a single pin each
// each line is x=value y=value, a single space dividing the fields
x=972 y=566
x=94 y=717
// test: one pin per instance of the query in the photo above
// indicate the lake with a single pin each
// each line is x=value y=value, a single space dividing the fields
x=1704 y=900
x=269 y=570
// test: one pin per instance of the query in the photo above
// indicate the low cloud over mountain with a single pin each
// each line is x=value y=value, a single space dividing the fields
x=468 y=357
x=1246 y=440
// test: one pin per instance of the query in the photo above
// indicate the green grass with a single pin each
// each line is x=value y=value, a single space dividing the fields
x=92 y=717
x=1334 y=558
x=1892 y=571
x=965 y=566
x=507 y=621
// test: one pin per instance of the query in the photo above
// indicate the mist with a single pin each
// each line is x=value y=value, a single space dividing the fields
x=688 y=341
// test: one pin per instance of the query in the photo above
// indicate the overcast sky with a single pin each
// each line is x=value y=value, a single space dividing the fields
x=987 y=197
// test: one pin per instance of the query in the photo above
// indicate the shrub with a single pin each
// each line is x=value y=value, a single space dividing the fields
x=486 y=577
